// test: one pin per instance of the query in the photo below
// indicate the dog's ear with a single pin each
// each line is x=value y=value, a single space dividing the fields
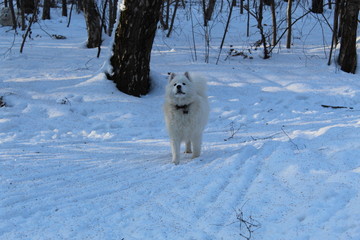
x=171 y=76
x=187 y=75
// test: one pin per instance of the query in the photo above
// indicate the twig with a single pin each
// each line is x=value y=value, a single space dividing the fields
x=290 y=139
x=251 y=225
x=233 y=131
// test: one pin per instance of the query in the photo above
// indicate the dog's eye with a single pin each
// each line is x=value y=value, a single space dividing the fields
x=174 y=84
x=184 y=84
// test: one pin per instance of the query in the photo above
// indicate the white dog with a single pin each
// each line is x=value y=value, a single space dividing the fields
x=186 y=113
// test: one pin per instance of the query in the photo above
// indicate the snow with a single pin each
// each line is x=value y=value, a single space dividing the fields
x=80 y=160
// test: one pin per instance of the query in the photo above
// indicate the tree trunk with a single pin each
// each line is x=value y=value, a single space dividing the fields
x=23 y=24
x=64 y=8
x=317 y=6
x=288 y=39
x=112 y=15
x=260 y=27
x=274 y=25
x=93 y=26
x=210 y=9
x=334 y=40
x=13 y=15
x=79 y=5
x=173 y=18
x=134 y=38
x=347 y=57
x=29 y=6
x=46 y=10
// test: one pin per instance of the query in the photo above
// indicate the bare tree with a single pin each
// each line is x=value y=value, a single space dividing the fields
x=92 y=18
x=317 y=6
x=28 y=30
x=261 y=28
x=347 y=57
x=173 y=18
x=29 y=6
x=210 y=9
x=289 y=25
x=46 y=10
x=274 y=24
x=63 y=7
x=22 y=10
x=112 y=15
x=334 y=40
x=164 y=16
x=13 y=17
x=134 y=38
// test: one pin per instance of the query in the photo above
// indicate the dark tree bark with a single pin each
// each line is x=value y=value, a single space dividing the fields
x=204 y=12
x=46 y=10
x=261 y=29
x=28 y=30
x=134 y=38
x=112 y=15
x=22 y=10
x=102 y=26
x=13 y=16
x=29 y=6
x=210 y=9
x=289 y=25
x=274 y=24
x=79 y=5
x=165 y=14
x=64 y=8
x=334 y=40
x=317 y=6
x=167 y=17
x=347 y=57
x=92 y=18
x=173 y=18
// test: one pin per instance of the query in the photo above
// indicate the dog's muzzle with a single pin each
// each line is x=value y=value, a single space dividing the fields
x=179 y=90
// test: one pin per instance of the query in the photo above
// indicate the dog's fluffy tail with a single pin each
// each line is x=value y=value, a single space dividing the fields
x=200 y=84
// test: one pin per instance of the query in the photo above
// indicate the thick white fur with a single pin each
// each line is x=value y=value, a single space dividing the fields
x=186 y=124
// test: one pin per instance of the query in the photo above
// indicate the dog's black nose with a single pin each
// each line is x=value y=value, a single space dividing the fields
x=178 y=87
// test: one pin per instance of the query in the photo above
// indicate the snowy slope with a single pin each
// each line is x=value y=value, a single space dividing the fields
x=80 y=160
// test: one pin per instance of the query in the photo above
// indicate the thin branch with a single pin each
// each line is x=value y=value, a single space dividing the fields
x=290 y=139
x=271 y=49
x=71 y=8
x=225 y=31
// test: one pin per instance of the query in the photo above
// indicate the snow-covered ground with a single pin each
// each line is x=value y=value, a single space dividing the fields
x=80 y=160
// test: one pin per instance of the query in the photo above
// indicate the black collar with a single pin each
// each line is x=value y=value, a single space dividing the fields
x=184 y=108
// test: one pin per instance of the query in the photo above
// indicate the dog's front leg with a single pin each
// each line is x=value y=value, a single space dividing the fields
x=196 y=143
x=175 y=148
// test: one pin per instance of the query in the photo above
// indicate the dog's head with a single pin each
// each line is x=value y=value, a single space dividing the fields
x=180 y=86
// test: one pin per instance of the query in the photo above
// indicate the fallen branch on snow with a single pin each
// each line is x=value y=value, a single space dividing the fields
x=335 y=107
